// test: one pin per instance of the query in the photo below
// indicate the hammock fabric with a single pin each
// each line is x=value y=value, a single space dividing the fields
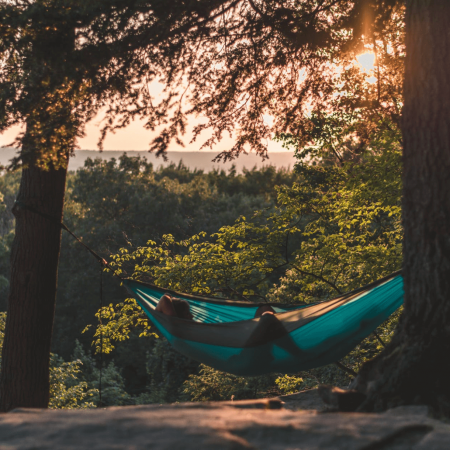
x=225 y=335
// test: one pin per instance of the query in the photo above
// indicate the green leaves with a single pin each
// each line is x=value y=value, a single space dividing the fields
x=323 y=239
x=213 y=385
x=289 y=384
x=116 y=324
x=236 y=258
x=66 y=390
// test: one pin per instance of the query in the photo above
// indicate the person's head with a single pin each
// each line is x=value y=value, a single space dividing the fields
x=264 y=309
x=182 y=309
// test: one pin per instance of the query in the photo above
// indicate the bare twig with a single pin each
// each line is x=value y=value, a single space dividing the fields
x=346 y=369
x=379 y=339
x=318 y=277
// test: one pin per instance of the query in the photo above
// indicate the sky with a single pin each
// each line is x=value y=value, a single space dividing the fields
x=136 y=137
x=366 y=61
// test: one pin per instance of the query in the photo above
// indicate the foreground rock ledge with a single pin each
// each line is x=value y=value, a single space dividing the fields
x=263 y=424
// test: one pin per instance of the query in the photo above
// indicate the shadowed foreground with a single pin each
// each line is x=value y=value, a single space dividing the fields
x=265 y=424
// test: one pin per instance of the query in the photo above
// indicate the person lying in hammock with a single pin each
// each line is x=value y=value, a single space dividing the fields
x=172 y=306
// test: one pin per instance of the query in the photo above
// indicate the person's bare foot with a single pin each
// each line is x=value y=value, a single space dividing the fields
x=341 y=399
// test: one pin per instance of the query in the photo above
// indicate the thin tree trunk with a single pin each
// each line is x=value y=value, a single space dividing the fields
x=415 y=367
x=31 y=305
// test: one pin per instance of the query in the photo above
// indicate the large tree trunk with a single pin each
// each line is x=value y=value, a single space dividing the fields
x=415 y=368
x=31 y=305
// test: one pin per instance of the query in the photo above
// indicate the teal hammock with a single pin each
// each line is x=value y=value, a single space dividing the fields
x=225 y=334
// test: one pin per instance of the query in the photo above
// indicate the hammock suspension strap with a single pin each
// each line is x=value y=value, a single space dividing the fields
x=100 y=403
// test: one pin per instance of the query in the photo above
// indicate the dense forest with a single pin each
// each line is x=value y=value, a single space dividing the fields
x=331 y=225
x=258 y=70
x=126 y=202
x=284 y=235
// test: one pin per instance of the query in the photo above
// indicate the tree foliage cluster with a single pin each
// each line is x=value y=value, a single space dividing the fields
x=336 y=228
x=235 y=61
x=336 y=225
x=294 y=61
x=126 y=202
x=227 y=60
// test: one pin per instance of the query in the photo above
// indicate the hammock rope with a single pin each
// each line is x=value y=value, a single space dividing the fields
x=100 y=403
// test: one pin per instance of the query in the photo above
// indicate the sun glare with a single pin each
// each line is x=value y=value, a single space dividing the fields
x=366 y=61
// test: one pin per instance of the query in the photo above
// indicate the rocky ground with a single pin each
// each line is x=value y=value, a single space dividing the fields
x=298 y=421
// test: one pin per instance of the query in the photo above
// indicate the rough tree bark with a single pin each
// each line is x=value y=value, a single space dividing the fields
x=415 y=367
x=31 y=305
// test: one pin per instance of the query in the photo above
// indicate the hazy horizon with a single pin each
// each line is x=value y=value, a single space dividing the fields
x=201 y=160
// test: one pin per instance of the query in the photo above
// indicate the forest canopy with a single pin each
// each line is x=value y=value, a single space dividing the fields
x=260 y=69
x=292 y=243
x=337 y=227
x=331 y=226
